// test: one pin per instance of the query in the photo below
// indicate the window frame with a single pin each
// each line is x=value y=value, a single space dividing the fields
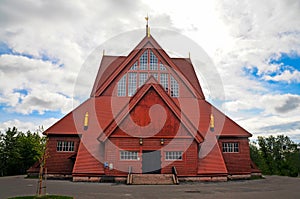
x=122 y=86
x=143 y=65
x=129 y=155
x=65 y=146
x=230 y=147
x=132 y=83
x=174 y=155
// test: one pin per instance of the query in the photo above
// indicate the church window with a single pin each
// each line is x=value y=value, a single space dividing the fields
x=173 y=155
x=153 y=61
x=132 y=83
x=162 y=67
x=155 y=75
x=65 y=146
x=164 y=81
x=128 y=155
x=230 y=147
x=145 y=66
x=174 y=88
x=134 y=66
x=144 y=61
x=142 y=79
x=122 y=86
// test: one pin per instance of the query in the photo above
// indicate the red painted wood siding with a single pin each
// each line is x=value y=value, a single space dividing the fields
x=58 y=162
x=185 y=167
x=237 y=163
x=140 y=116
x=188 y=166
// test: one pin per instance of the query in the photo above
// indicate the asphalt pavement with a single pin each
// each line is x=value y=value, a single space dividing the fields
x=270 y=187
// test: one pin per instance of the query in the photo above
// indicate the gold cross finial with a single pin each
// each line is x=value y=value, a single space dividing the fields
x=147 y=18
x=147 y=27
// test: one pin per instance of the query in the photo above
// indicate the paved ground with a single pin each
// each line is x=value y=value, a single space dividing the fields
x=271 y=187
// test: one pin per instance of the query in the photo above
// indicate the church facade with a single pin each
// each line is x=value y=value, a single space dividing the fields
x=147 y=114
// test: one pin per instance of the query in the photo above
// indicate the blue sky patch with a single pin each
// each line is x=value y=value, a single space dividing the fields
x=290 y=62
x=6 y=50
x=291 y=59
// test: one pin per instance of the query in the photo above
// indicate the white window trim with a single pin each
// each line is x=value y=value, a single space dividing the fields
x=230 y=147
x=129 y=155
x=174 y=154
x=62 y=145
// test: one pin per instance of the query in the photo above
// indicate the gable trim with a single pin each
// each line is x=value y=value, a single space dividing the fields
x=151 y=83
x=149 y=42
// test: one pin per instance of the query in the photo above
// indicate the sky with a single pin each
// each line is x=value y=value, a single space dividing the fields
x=254 y=45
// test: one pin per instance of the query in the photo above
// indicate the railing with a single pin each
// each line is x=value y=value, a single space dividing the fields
x=129 y=176
x=175 y=176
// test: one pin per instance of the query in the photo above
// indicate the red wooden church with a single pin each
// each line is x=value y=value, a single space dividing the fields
x=147 y=114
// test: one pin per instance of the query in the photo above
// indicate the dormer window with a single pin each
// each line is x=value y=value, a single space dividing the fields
x=147 y=65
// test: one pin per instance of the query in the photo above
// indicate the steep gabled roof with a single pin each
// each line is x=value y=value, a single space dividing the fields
x=186 y=68
x=211 y=162
x=111 y=67
x=107 y=66
x=152 y=83
x=101 y=106
x=86 y=163
x=224 y=126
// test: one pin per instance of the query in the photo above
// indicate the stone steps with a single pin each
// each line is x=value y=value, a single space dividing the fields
x=148 y=179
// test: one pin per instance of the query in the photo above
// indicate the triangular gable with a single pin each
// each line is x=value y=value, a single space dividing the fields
x=151 y=83
x=147 y=42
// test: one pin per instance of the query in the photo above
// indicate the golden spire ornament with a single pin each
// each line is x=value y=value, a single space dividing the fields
x=86 y=121
x=212 y=122
x=147 y=27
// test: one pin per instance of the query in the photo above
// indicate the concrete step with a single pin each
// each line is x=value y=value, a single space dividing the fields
x=143 y=179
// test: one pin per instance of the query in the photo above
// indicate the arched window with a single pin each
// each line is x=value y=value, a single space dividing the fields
x=147 y=65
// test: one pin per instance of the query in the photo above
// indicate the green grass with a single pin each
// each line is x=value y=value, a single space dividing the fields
x=43 y=197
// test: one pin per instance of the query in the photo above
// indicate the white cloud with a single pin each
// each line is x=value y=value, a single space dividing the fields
x=24 y=126
x=284 y=105
x=285 y=76
x=236 y=34
x=272 y=125
x=48 y=86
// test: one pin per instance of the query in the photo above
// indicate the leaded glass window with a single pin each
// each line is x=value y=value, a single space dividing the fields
x=162 y=67
x=144 y=61
x=145 y=66
x=131 y=83
x=142 y=79
x=153 y=61
x=164 y=81
x=155 y=75
x=134 y=66
x=122 y=86
x=174 y=87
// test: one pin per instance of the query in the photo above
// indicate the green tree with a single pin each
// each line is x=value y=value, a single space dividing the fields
x=10 y=152
x=277 y=156
x=19 y=151
x=256 y=157
x=30 y=149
